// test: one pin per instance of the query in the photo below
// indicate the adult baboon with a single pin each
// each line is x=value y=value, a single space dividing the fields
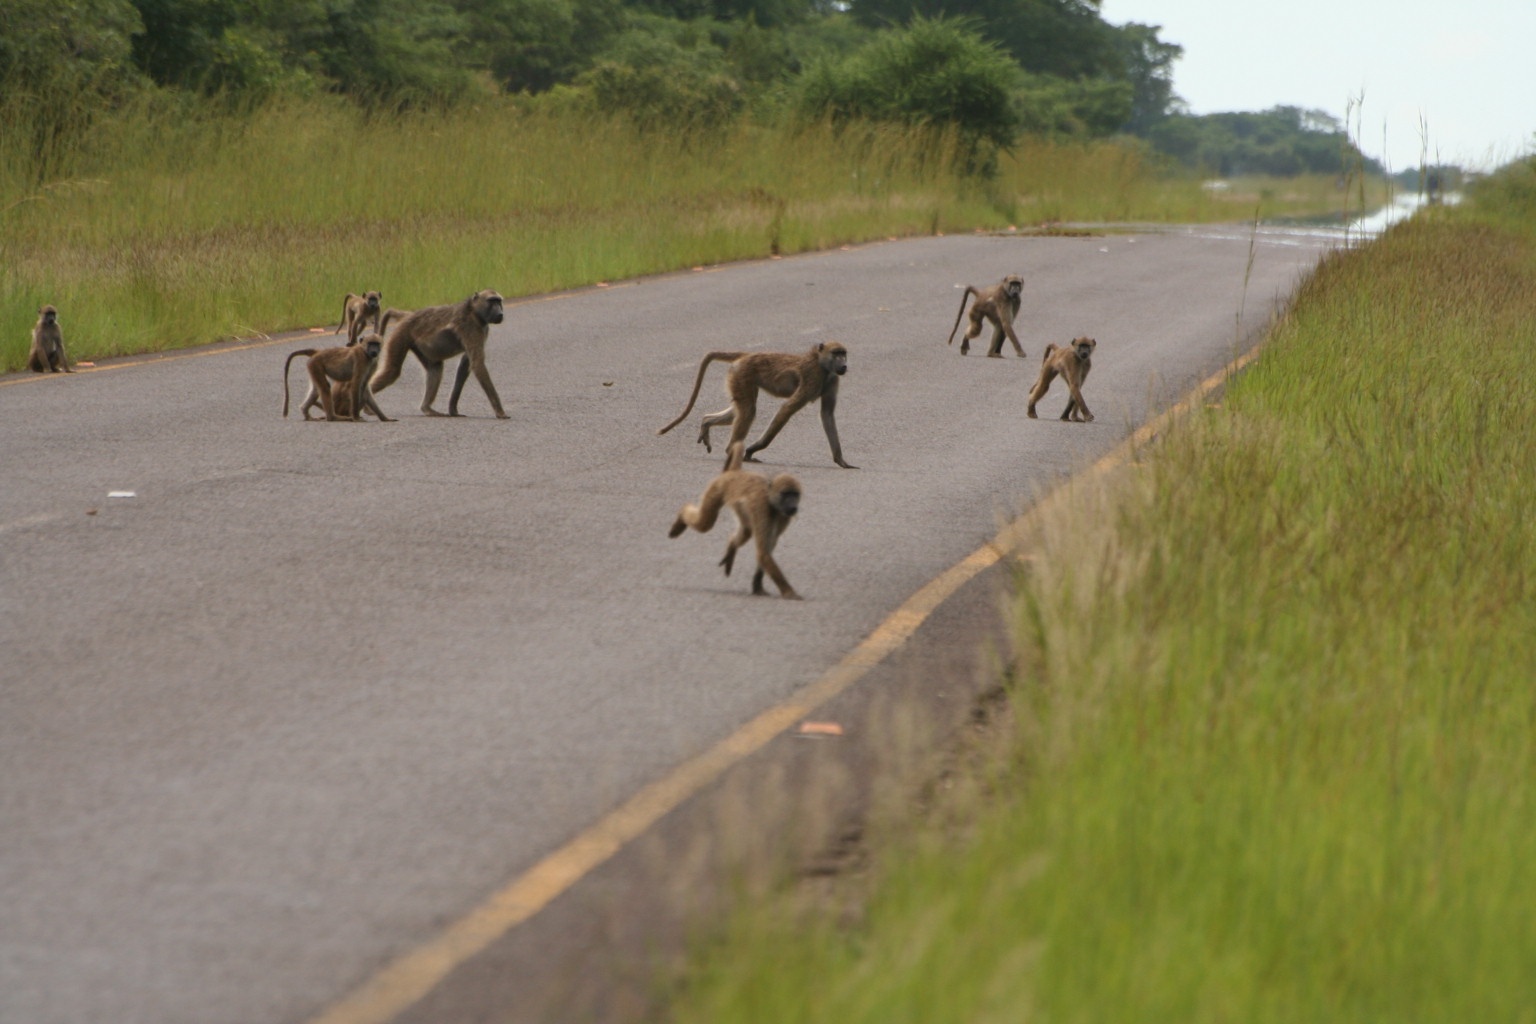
x=436 y=334
x=47 y=352
x=998 y=303
x=357 y=311
x=795 y=378
x=349 y=365
x=763 y=510
x=1072 y=362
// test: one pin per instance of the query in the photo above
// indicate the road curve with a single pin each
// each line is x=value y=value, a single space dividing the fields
x=314 y=690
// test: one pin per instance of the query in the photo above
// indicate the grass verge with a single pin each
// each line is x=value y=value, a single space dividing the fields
x=1275 y=753
x=170 y=227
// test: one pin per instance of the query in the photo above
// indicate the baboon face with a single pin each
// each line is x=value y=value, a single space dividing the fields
x=487 y=306
x=835 y=358
x=48 y=314
x=1084 y=348
x=784 y=494
x=371 y=301
x=373 y=346
x=1014 y=285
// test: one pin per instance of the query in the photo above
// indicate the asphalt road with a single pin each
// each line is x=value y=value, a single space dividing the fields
x=313 y=689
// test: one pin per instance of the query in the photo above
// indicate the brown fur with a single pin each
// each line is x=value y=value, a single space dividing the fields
x=795 y=378
x=349 y=365
x=357 y=311
x=764 y=509
x=436 y=334
x=998 y=303
x=47 y=352
x=1072 y=362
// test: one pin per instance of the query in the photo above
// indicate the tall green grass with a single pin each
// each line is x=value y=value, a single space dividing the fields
x=172 y=224
x=1276 y=753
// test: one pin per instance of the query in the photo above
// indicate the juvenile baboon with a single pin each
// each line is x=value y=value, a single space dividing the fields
x=795 y=378
x=349 y=365
x=47 y=352
x=1072 y=362
x=763 y=509
x=357 y=311
x=998 y=303
x=438 y=333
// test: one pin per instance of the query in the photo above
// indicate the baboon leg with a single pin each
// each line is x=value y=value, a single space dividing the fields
x=483 y=375
x=742 y=535
x=460 y=376
x=1041 y=387
x=971 y=331
x=434 y=381
x=765 y=562
x=719 y=419
x=323 y=386
x=1076 y=407
x=780 y=418
x=701 y=516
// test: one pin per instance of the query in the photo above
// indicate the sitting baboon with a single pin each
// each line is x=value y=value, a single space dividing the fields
x=763 y=509
x=357 y=311
x=436 y=334
x=47 y=352
x=998 y=303
x=1072 y=362
x=795 y=378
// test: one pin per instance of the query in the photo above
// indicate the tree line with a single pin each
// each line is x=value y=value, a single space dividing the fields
x=987 y=69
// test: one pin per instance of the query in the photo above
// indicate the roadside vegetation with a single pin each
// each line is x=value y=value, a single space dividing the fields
x=176 y=171
x=1273 y=755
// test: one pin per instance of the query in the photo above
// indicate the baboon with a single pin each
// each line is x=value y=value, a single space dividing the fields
x=356 y=313
x=998 y=303
x=436 y=334
x=763 y=509
x=350 y=365
x=795 y=378
x=47 y=352
x=1073 y=363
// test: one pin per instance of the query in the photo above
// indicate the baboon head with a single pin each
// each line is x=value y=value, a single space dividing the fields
x=833 y=356
x=48 y=315
x=1084 y=348
x=1013 y=284
x=784 y=494
x=371 y=302
x=487 y=306
x=372 y=345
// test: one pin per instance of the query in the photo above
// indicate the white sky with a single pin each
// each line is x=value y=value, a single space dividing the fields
x=1467 y=67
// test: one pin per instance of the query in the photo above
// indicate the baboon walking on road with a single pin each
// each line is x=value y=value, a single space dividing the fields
x=795 y=378
x=998 y=303
x=763 y=509
x=436 y=334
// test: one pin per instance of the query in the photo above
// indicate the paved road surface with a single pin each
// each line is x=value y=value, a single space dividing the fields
x=315 y=689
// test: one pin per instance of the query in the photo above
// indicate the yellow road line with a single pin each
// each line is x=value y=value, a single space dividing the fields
x=402 y=982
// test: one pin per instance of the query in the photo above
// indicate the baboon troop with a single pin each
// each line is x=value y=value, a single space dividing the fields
x=357 y=312
x=349 y=365
x=763 y=509
x=47 y=352
x=998 y=303
x=344 y=380
x=436 y=334
x=1072 y=362
x=795 y=378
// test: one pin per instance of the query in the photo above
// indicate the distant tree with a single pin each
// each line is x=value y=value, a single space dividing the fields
x=533 y=45
x=938 y=73
x=1147 y=64
x=1066 y=38
x=1282 y=141
x=664 y=73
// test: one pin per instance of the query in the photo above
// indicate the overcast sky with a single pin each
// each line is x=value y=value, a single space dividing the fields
x=1468 y=67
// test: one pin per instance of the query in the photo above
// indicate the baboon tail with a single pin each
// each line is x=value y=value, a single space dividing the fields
x=1048 y=350
x=286 y=364
x=698 y=382
x=958 y=315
